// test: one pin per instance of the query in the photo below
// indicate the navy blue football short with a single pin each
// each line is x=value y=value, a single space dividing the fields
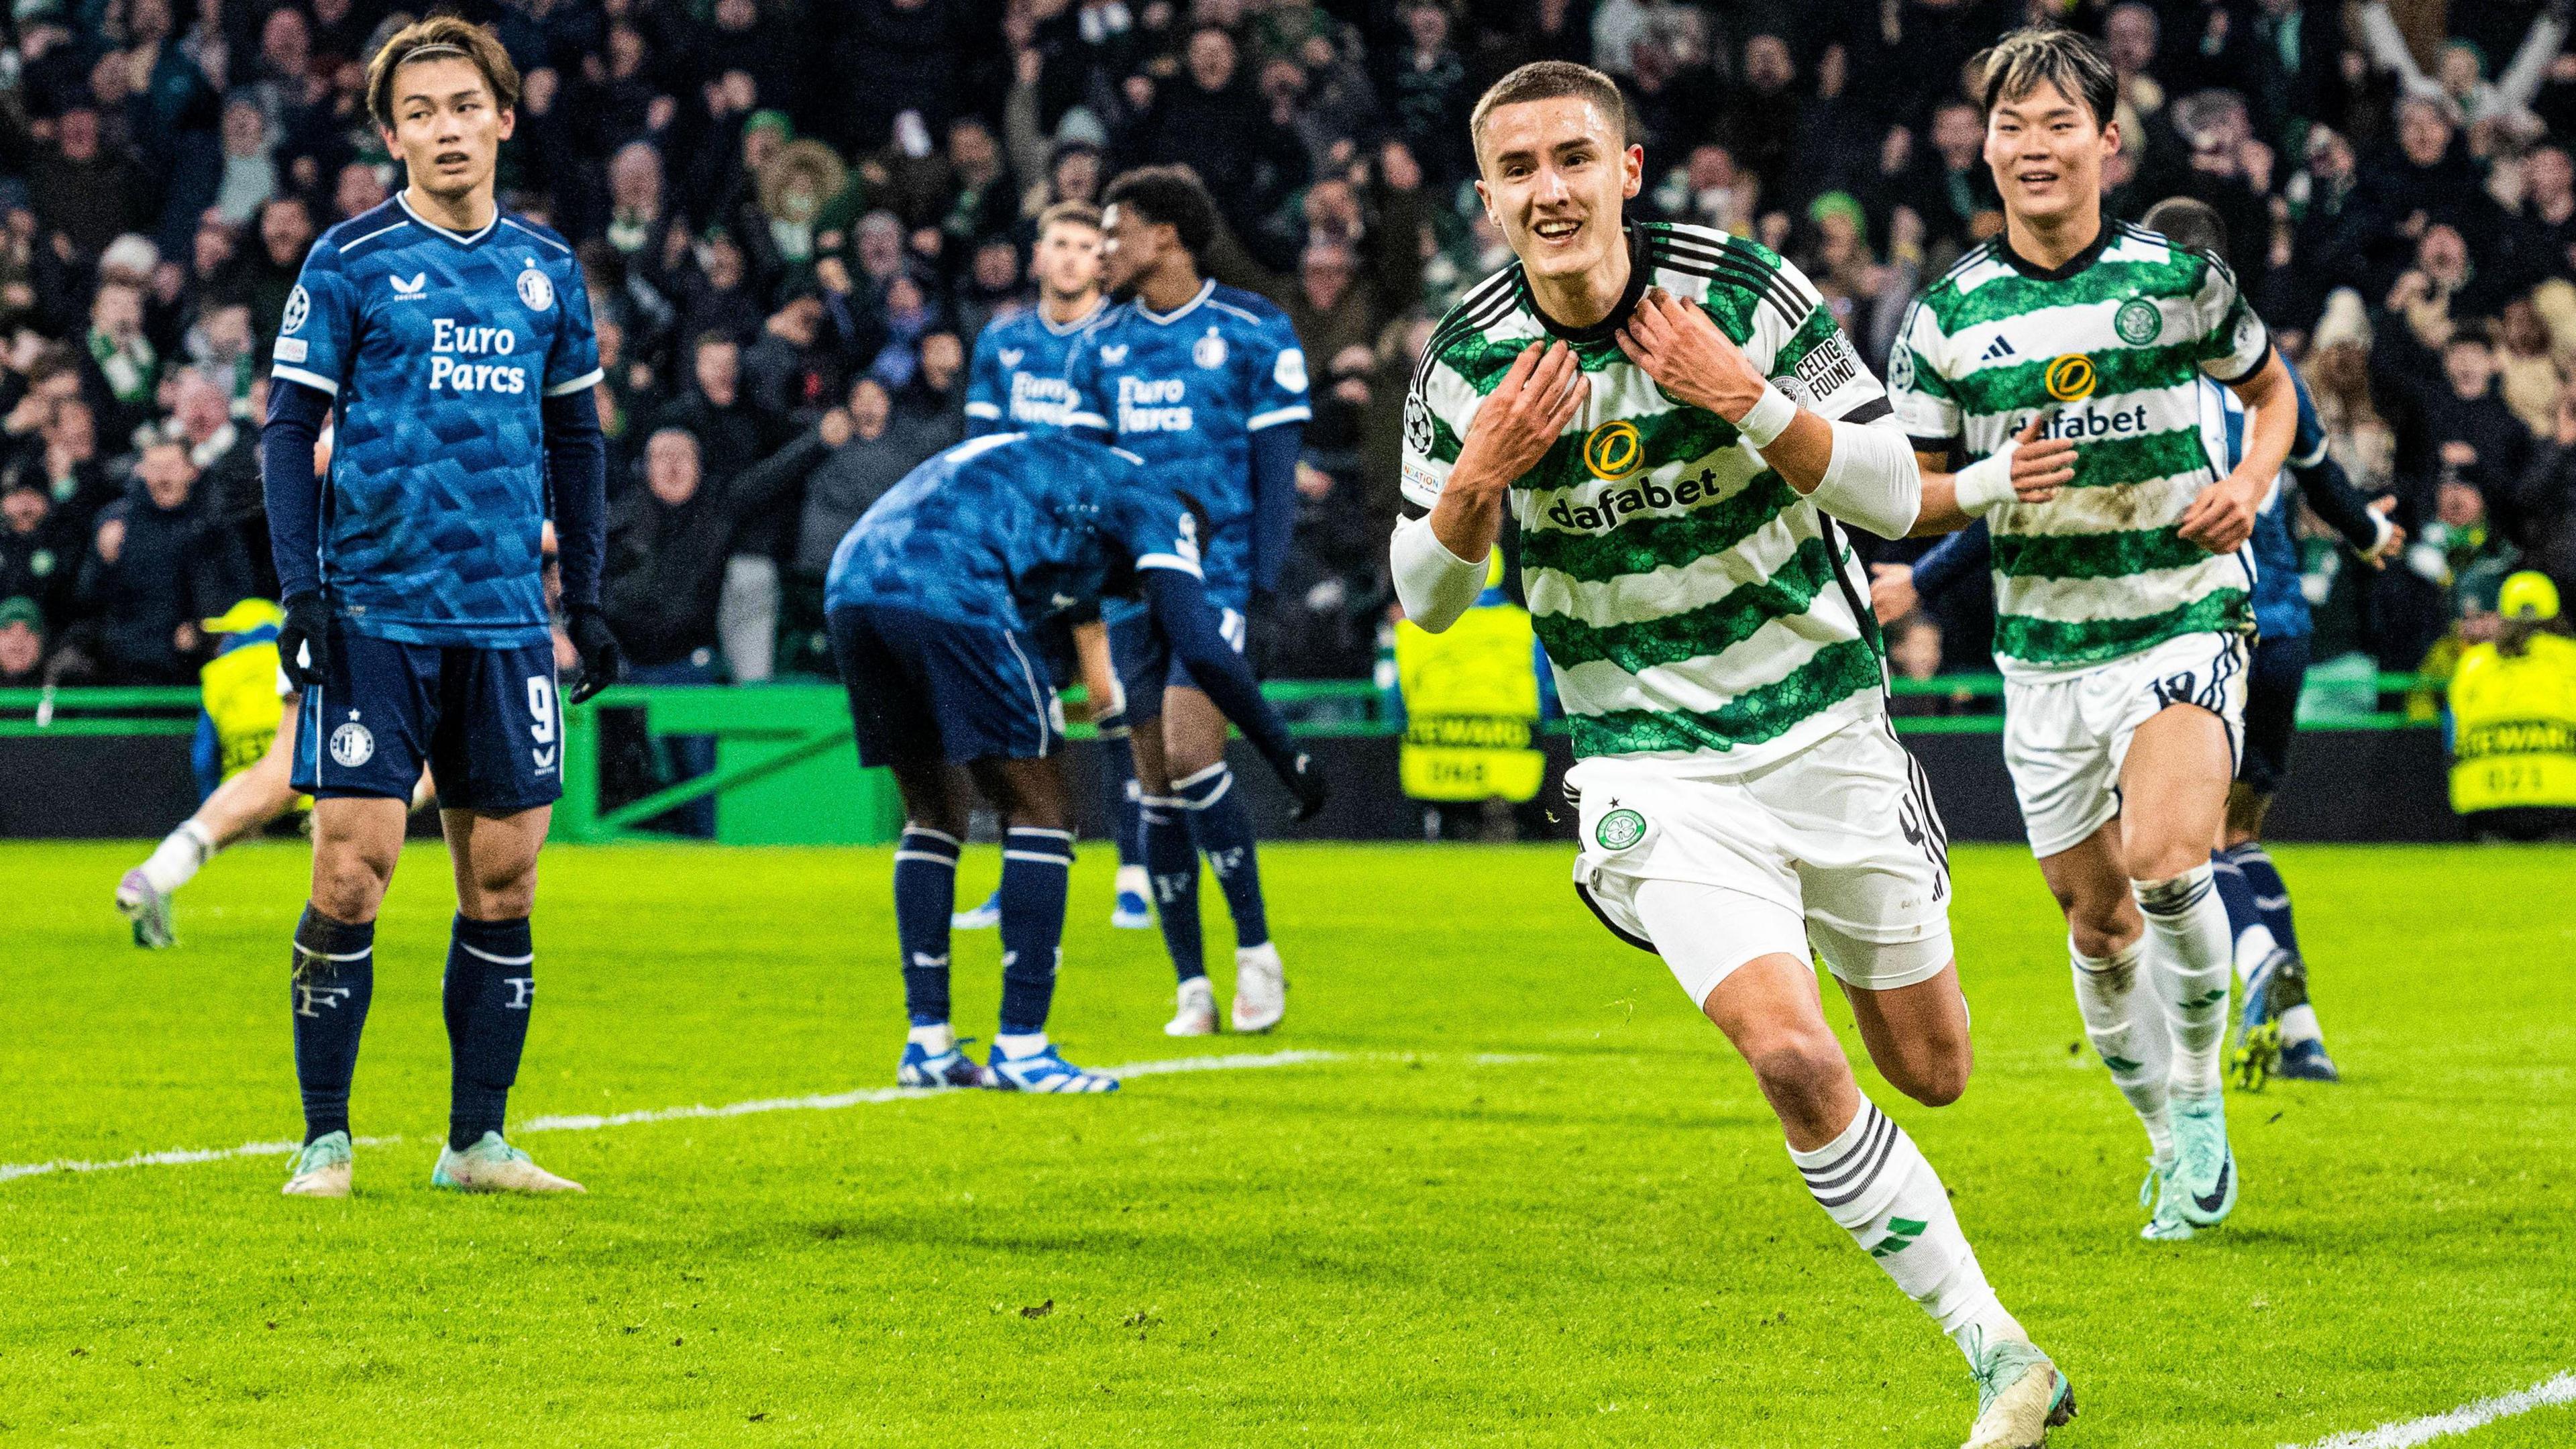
x=2272 y=685
x=488 y=722
x=1144 y=660
x=923 y=687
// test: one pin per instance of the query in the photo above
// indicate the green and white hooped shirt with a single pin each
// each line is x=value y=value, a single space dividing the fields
x=1692 y=605
x=2116 y=339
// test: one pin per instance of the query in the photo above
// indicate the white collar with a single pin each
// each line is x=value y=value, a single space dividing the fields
x=1206 y=290
x=458 y=237
x=1077 y=324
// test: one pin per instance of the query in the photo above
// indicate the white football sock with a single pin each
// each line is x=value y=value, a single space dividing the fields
x=2252 y=949
x=1026 y=1044
x=2299 y=1024
x=1136 y=880
x=936 y=1040
x=1876 y=1184
x=2127 y=1028
x=181 y=854
x=2189 y=947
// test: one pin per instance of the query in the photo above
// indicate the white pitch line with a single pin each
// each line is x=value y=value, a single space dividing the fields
x=831 y=1102
x=2558 y=1390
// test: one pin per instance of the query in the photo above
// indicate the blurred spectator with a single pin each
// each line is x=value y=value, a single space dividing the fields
x=1211 y=121
x=156 y=566
x=22 y=643
x=880 y=448
x=250 y=173
x=667 y=546
x=1324 y=625
x=35 y=565
x=85 y=190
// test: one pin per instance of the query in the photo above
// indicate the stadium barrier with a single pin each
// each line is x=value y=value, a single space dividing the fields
x=114 y=763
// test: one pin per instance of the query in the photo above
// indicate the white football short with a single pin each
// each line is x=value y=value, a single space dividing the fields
x=2066 y=735
x=1838 y=844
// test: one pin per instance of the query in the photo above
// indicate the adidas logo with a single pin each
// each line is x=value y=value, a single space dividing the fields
x=1901 y=1233
x=1997 y=348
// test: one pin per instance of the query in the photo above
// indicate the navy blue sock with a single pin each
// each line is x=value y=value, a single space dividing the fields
x=2235 y=894
x=2271 y=893
x=1125 y=809
x=1222 y=824
x=925 y=892
x=491 y=989
x=1174 y=860
x=1035 y=866
x=334 y=979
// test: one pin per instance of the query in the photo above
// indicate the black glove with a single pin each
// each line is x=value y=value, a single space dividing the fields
x=1306 y=783
x=304 y=640
x=601 y=660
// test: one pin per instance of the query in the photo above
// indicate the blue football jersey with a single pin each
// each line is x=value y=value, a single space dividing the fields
x=2280 y=608
x=1185 y=391
x=437 y=349
x=1010 y=528
x=1016 y=383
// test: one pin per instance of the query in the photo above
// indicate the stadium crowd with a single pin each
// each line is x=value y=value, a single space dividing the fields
x=796 y=218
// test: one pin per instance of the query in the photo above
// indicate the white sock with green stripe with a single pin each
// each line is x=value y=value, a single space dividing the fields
x=1874 y=1182
x=2193 y=954
x=2127 y=1027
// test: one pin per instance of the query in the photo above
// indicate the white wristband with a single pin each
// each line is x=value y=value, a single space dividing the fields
x=1986 y=484
x=1766 y=420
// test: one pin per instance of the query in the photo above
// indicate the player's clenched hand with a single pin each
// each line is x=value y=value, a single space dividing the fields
x=601 y=659
x=1306 y=783
x=2040 y=468
x=1678 y=345
x=2221 y=518
x=1521 y=419
x=1891 y=591
x=304 y=641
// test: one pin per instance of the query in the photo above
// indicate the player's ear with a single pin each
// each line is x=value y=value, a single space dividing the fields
x=509 y=121
x=2111 y=137
x=1633 y=163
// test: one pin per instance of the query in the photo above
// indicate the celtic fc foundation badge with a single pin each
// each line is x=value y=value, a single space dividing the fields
x=2137 y=322
x=1620 y=829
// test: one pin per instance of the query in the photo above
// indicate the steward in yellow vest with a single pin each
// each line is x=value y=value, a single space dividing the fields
x=2513 y=721
x=239 y=686
x=1471 y=703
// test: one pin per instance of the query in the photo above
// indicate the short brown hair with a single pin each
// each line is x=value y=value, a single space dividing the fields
x=437 y=37
x=2021 y=62
x=1079 y=213
x=1545 y=80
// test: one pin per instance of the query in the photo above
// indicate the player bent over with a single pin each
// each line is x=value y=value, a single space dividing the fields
x=1675 y=423
x=935 y=600
x=454 y=345
x=2076 y=343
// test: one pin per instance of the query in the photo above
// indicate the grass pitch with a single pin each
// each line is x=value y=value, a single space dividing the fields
x=1535 y=1200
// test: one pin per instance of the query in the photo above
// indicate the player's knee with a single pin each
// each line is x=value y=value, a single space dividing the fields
x=348 y=885
x=2100 y=923
x=1938 y=1076
x=1801 y=1072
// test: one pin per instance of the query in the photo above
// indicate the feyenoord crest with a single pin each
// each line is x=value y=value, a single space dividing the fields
x=352 y=745
x=1620 y=829
x=298 y=307
x=2137 y=321
x=534 y=289
x=1417 y=425
x=1208 y=351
